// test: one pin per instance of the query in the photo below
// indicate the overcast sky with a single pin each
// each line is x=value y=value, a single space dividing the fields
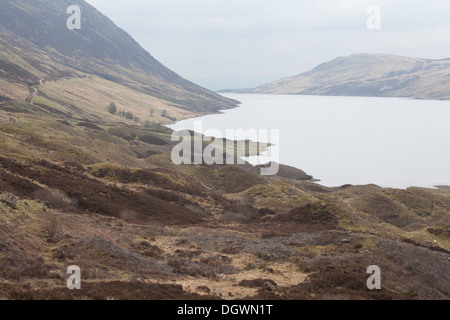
x=245 y=43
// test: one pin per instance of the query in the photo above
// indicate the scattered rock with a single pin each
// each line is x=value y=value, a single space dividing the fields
x=270 y=286
x=266 y=284
x=204 y=289
x=250 y=266
x=323 y=206
x=346 y=241
x=68 y=236
x=9 y=199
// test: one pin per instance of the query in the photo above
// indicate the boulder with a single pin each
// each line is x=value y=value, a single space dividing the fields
x=270 y=286
x=9 y=199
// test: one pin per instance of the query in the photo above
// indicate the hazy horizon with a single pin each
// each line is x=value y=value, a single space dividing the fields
x=243 y=44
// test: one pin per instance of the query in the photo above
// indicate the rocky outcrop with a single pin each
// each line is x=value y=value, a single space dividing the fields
x=9 y=199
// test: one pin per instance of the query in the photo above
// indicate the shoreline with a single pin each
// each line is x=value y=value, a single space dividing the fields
x=314 y=180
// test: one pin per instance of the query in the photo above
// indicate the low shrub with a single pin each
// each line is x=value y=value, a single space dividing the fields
x=55 y=198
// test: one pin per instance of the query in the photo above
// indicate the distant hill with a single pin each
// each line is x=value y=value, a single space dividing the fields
x=378 y=75
x=38 y=51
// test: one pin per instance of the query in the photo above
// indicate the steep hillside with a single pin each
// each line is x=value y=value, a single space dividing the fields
x=377 y=75
x=36 y=48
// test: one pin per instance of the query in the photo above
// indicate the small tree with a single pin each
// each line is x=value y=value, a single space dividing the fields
x=129 y=115
x=152 y=111
x=112 y=108
x=164 y=113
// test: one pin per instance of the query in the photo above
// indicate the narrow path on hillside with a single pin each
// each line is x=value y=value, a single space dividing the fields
x=33 y=91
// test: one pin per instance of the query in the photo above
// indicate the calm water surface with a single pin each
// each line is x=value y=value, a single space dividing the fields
x=357 y=140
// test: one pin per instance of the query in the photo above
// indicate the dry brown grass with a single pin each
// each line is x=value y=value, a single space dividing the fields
x=128 y=215
x=55 y=198
x=52 y=227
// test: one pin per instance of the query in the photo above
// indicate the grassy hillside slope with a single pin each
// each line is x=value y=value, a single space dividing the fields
x=36 y=47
